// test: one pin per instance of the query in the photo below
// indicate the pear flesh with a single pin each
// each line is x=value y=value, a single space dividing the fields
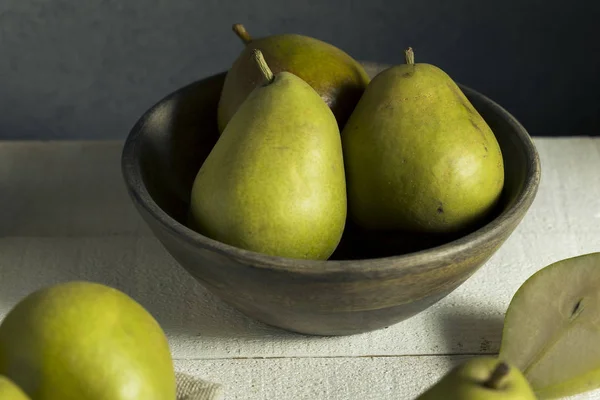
x=82 y=340
x=481 y=378
x=336 y=76
x=419 y=157
x=274 y=182
x=552 y=328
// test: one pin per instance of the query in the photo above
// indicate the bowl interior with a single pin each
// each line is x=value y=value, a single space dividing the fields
x=177 y=134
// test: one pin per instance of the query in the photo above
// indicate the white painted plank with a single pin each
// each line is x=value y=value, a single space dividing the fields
x=200 y=326
x=64 y=189
x=569 y=193
x=391 y=378
x=322 y=378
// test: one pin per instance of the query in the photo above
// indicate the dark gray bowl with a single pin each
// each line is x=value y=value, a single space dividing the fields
x=371 y=282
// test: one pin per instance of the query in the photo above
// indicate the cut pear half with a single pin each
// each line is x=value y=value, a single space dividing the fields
x=552 y=328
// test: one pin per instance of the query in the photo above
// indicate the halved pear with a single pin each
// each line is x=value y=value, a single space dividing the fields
x=552 y=328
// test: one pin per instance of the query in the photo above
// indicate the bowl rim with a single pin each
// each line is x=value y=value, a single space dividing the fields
x=132 y=175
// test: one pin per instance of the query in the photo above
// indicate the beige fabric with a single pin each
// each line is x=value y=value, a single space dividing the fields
x=190 y=388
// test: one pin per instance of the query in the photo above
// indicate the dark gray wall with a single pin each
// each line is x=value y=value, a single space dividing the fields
x=86 y=69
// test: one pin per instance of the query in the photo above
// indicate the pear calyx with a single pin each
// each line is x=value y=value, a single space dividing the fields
x=493 y=382
x=409 y=54
x=262 y=65
x=242 y=33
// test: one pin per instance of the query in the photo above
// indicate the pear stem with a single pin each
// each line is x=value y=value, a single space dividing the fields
x=409 y=54
x=499 y=372
x=242 y=33
x=263 y=66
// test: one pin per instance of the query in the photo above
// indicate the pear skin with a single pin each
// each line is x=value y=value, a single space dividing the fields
x=274 y=182
x=83 y=340
x=419 y=157
x=10 y=391
x=481 y=378
x=336 y=76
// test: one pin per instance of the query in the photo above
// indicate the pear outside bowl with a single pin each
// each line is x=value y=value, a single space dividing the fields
x=372 y=281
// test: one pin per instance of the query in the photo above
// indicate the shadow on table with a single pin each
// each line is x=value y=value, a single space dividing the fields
x=471 y=329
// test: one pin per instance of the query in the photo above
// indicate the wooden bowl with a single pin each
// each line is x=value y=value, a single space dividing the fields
x=372 y=281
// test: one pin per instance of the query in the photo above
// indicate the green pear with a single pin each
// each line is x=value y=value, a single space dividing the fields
x=336 y=76
x=552 y=328
x=82 y=340
x=419 y=157
x=274 y=182
x=481 y=378
x=10 y=391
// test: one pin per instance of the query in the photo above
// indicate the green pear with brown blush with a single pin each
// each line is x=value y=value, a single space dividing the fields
x=337 y=77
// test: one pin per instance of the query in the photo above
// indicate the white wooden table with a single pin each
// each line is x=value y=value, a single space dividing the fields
x=65 y=215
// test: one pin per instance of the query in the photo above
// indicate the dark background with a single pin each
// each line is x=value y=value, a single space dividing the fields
x=86 y=69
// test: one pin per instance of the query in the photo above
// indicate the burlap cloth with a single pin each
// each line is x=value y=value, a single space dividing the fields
x=190 y=388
